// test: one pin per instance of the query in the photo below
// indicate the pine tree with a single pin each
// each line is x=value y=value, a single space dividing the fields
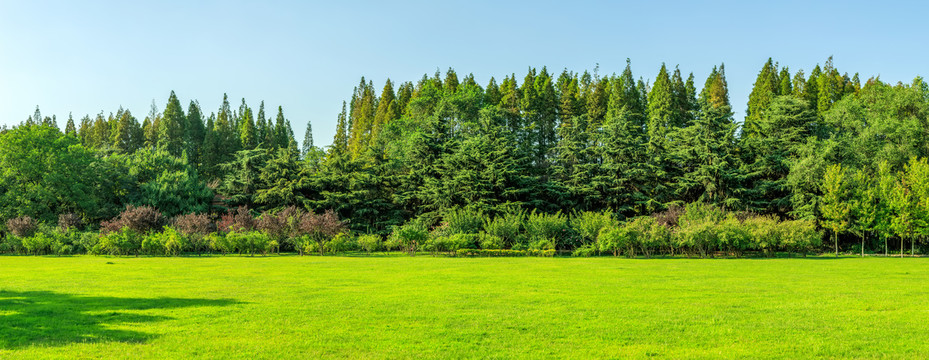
x=307 y=140
x=262 y=127
x=706 y=150
x=361 y=118
x=281 y=130
x=196 y=133
x=492 y=94
x=173 y=126
x=784 y=86
x=384 y=113
x=247 y=135
x=69 y=128
x=661 y=112
x=340 y=141
x=126 y=137
x=451 y=82
x=830 y=87
x=764 y=91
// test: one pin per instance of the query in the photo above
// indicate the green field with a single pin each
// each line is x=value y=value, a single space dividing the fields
x=424 y=307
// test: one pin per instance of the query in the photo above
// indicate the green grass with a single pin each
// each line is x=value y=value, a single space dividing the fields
x=426 y=308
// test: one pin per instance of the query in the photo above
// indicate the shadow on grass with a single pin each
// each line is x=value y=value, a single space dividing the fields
x=45 y=318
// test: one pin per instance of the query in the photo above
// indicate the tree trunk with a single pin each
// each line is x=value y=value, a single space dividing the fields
x=835 y=236
x=862 y=244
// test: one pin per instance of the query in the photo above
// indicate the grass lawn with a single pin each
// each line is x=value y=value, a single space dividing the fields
x=426 y=308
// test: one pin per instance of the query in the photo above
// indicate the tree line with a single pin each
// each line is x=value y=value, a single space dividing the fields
x=571 y=143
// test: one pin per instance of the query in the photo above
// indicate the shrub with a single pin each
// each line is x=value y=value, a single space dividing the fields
x=12 y=244
x=585 y=251
x=410 y=237
x=140 y=219
x=283 y=226
x=546 y=230
x=238 y=220
x=589 y=223
x=342 y=242
x=122 y=242
x=765 y=234
x=649 y=234
x=800 y=236
x=321 y=227
x=733 y=235
x=69 y=221
x=169 y=242
x=23 y=227
x=504 y=253
x=251 y=242
x=369 y=242
x=506 y=227
x=463 y=220
x=195 y=228
x=489 y=241
x=615 y=239
x=219 y=242
x=37 y=244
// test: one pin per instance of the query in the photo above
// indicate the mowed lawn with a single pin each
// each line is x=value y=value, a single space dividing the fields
x=439 y=308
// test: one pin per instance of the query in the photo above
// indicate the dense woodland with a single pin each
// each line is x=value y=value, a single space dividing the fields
x=580 y=162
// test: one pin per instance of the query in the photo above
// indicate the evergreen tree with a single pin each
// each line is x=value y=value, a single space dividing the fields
x=307 y=140
x=247 y=135
x=764 y=91
x=340 y=141
x=69 y=128
x=172 y=128
x=196 y=133
x=263 y=129
x=706 y=150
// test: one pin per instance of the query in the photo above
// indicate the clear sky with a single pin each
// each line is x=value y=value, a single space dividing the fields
x=86 y=57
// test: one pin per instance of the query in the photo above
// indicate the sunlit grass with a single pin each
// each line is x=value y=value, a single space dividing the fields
x=424 y=307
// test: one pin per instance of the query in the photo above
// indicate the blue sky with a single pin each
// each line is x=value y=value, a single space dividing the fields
x=91 y=56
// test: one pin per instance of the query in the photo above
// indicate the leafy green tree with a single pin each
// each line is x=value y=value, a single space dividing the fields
x=44 y=173
x=835 y=205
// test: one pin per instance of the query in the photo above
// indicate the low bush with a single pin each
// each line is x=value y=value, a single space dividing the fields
x=369 y=242
x=410 y=237
x=140 y=219
x=504 y=253
x=69 y=221
x=589 y=223
x=23 y=227
x=125 y=241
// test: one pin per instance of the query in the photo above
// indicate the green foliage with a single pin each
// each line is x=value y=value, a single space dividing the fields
x=370 y=242
x=588 y=224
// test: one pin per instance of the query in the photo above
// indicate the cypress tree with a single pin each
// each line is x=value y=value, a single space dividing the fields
x=307 y=140
x=71 y=130
x=785 y=87
x=196 y=133
x=765 y=89
x=262 y=130
x=173 y=126
x=247 y=132
x=384 y=113
x=661 y=111
x=492 y=94
x=340 y=141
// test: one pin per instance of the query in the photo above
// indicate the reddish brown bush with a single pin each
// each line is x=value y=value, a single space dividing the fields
x=669 y=218
x=141 y=219
x=24 y=226
x=240 y=219
x=193 y=224
x=324 y=225
x=69 y=221
x=283 y=224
